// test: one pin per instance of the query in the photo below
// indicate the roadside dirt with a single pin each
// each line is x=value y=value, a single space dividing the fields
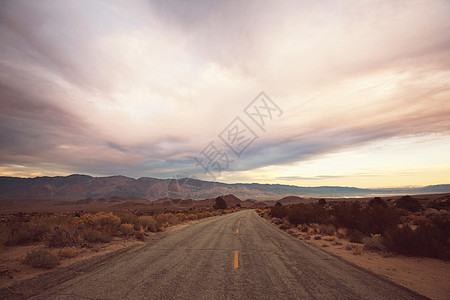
x=426 y=276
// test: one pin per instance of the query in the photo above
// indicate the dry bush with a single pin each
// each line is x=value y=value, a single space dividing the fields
x=355 y=236
x=164 y=220
x=191 y=217
x=108 y=222
x=24 y=233
x=41 y=258
x=357 y=250
x=329 y=238
x=180 y=216
x=63 y=236
x=148 y=223
x=311 y=230
x=129 y=218
x=327 y=229
x=95 y=236
x=341 y=232
x=68 y=252
x=374 y=242
x=127 y=228
x=4 y=234
x=102 y=221
x=140 y=234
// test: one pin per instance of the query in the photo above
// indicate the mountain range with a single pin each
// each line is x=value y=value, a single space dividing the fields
x=75 y=187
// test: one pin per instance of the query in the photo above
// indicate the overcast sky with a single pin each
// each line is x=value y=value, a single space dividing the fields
x=358 y=91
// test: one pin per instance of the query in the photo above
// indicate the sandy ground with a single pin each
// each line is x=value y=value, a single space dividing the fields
x=427 y=276
x=12 y=268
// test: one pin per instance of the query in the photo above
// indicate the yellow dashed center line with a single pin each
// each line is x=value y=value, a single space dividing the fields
x=236 y=259
x=237 y=230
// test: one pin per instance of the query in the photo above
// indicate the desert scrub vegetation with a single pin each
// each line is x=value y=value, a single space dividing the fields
x=80 y=229
x=401 y=226
x=41 y=258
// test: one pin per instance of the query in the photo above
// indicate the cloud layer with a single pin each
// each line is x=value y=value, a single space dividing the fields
x=139 y=89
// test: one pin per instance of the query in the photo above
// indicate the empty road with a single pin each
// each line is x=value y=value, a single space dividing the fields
x=236 y=256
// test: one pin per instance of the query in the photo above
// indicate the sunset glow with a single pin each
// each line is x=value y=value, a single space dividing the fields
x=141 y=88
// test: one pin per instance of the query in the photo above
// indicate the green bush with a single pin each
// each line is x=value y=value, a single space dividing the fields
x=41 y=258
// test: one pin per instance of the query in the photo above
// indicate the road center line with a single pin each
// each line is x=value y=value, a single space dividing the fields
x=236 y=259
x=237 y=230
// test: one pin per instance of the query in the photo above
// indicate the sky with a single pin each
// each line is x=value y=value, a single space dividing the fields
x=308 y=93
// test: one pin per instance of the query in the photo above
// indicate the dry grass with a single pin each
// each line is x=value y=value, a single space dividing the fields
x=329 y=238
x=341 y=232
x=356 y=250
x=68 y=252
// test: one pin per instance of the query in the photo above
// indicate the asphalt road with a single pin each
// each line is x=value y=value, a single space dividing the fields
x=236 y=256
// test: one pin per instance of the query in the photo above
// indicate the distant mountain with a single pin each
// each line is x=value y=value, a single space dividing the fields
x=76 y=187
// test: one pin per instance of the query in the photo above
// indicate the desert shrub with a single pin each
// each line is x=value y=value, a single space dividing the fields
x=140 y=234
x=341 y=232
x=105 y=222
x=377 y=201
x=307 y=214
x=108 y=222
x=373 y=219
x=4 y=234
x=164 y=220
x=68 y=252
x=126 y=228
x=409 y=203
x=63 y=237
x=347 y=215
x=24 y=233
x=311 y=230
x=129 y=218
x=377 y=219
x=279 y=211
x=374 y=243
x=355 y=236
x=322 y=202
x=148 y=223
x=329 y=238
x=191 y=217
x=429 y=240
x=41 y=258
x=327 y=229
x=95 y=236
x=220 y=203
x=180 y=216
x=357 y=250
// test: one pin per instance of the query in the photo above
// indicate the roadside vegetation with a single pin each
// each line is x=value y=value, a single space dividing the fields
x=63 y=235
x=405 y=226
